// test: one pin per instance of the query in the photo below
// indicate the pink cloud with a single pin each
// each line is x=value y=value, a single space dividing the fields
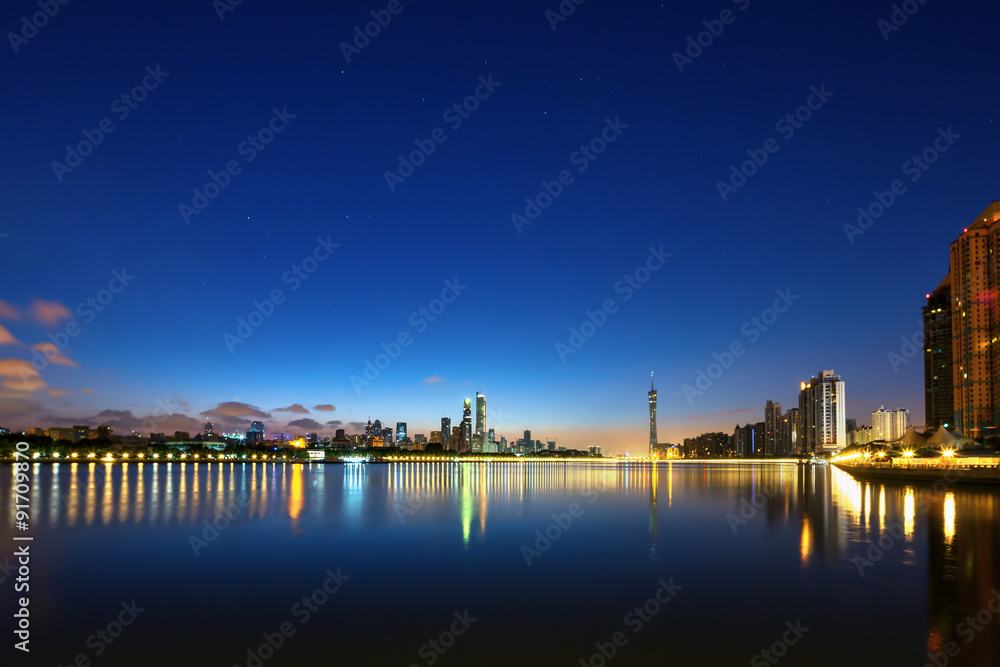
x=6 y=338
x=20 y=375
x=434 y=378
x=53 y=354
x=8 y=312
x=49 y=313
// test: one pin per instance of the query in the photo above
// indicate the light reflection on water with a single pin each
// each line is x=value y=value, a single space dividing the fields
x=823 y=518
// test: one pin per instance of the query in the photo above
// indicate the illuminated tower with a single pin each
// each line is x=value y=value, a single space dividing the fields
x=445 y=432
x=480 y=414
x=652 y=417
x=467 y=425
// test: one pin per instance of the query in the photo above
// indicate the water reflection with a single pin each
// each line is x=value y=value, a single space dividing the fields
x=944 y=539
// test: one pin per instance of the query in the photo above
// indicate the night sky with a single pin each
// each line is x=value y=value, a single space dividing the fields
x=598 y=102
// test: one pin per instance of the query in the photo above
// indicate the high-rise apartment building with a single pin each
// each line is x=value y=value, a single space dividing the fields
x=975 y=325
x=652 y=417
x=787 y=433
x=822 y=405
x=772 y=413
x=939 y=390
x=889 y=425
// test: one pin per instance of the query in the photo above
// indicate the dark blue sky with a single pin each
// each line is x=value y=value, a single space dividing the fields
x=323 y=176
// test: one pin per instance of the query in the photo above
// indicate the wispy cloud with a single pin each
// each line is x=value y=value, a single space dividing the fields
x=434 y=378
x=6 y=337
x=20 y=375
x=295 y=407
x=49 y=313
x=325 y=407
x=53 y=354
x=307 y=424
x=8 y=311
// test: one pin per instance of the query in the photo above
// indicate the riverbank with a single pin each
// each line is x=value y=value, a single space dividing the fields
x=952 y=474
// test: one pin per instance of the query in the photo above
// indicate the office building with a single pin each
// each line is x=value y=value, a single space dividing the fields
x=481 y=415
x=445 y=432
x=822 y=404
x=467 y=424
x=256 y=433
x=939 y=390
x=436 y=437
x=400 y=432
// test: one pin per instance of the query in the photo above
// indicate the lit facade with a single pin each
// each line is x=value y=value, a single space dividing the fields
x=975 y=325
x=822 y=413
x=889 y=425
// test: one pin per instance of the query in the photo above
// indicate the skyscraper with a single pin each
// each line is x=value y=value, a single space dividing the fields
x=772 y=416
x=975 y=325
x=467 y=424
x=939 y=394
x=652 y=418
x=480 y=415
x=822 y=405
x=445 y=432
x=400 y=431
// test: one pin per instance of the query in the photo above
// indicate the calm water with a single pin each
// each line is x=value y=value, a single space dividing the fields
x=417 y=552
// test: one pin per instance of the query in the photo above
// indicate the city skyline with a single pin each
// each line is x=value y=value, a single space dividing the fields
x=231 y=270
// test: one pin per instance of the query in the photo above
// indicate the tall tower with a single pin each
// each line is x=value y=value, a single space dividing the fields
x=467 y=424
x=652 y=417
x=480 y=414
